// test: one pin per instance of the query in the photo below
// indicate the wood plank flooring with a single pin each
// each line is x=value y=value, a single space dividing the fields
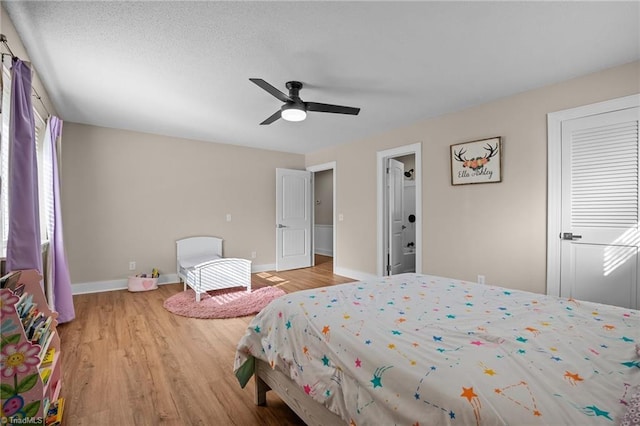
x=128 y=361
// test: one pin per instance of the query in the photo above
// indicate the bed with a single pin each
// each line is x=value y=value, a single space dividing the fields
x=202 y=267
x=417 y=349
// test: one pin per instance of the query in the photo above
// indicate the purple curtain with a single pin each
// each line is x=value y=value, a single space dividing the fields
x=23 y=241
x=63 y=296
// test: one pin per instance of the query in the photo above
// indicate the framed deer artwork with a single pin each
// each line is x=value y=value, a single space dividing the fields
x=477 y=161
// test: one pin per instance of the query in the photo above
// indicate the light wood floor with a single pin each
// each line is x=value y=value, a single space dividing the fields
x=128 y=361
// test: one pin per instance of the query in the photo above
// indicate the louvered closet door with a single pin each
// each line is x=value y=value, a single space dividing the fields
x=600 y=209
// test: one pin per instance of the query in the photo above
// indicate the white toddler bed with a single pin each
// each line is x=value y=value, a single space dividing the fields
x=201 y=266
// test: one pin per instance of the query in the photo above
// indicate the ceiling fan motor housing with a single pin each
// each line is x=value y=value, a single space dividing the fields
x=294 y=89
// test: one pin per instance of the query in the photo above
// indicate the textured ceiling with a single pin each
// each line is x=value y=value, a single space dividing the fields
x=182 y=68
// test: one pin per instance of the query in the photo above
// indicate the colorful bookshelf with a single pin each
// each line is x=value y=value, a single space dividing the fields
x=29 y=350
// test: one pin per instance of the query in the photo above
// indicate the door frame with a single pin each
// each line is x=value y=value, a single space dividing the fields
x=321 y=168
x=554 y=176
x=381 y=160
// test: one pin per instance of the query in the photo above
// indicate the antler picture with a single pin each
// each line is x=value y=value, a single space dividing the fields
x=476 y=162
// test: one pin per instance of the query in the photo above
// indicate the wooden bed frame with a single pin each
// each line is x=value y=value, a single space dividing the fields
x=310 y=411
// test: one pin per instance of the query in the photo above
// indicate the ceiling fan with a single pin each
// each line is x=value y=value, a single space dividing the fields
x=294 y=108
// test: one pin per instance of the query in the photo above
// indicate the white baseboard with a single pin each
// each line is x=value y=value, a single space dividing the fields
x=123 y=284
x=263 y=268
x=113 y=285
x=353 y=274
x=324 y=252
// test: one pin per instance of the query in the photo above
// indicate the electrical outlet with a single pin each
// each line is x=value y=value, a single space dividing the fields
x=340 y=217
x=132 y=265
x=480 y=279
x=253 y=255
x=228 y=217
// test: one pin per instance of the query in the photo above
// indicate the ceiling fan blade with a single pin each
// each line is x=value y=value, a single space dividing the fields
x=337 y=109
x=274 y=117
x=269 y=88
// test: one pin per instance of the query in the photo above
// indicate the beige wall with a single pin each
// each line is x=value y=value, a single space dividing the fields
x=323 y=193
x=129 y=196
x=497 y=230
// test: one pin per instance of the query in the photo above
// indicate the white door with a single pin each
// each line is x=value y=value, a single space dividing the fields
x=599 y=235
x=395 y=185
x=293 y=219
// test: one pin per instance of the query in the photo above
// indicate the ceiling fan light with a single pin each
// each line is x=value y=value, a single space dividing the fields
x=293 y=113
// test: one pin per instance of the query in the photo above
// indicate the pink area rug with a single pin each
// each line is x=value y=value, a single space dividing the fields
x=227 y=303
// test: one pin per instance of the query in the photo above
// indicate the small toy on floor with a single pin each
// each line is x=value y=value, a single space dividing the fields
x=154 y=274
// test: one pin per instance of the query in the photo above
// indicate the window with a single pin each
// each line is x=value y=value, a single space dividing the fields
x=44 y=197
x=4 y=157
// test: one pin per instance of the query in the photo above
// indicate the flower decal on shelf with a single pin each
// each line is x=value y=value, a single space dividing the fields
x=7 y=302
x=18 y=358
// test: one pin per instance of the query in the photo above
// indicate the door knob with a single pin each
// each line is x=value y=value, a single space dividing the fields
x=281 y=226
x=569 y=236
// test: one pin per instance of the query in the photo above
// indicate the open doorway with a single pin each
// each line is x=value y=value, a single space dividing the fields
x=399 y=210
x=323 y=228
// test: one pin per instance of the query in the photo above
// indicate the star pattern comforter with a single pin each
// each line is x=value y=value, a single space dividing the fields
x=417 y=349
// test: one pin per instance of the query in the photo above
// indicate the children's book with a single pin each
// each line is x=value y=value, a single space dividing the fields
x=45 y=374
x=54 y=415
x=24 y=305
x=19 y=290
x=10 y=280
x=48 y=357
